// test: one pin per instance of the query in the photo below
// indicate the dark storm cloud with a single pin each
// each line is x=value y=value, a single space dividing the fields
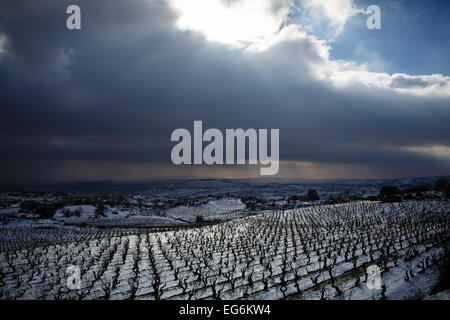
x=115 y=91
x=406 y=81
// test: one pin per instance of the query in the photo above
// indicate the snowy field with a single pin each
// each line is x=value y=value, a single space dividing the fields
x=215 y=210
x=308 y=253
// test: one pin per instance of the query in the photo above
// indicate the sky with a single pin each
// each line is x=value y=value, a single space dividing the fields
x=101 y=102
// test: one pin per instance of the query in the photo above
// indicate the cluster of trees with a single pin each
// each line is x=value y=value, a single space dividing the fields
x=44 y=210
x=417 y=192
x=254 y=203
x=311 y=195
x=47 y=209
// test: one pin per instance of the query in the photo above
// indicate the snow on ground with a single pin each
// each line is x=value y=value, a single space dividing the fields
x=112 y=217
x=9 y=211
x=444 y=295
x=215 y=209
x=74 y=212
x=294 y=254
x=83 y=212
x=397 y=288
x=134 y=221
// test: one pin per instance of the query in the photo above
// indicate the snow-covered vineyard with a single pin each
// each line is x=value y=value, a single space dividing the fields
x=308 y=253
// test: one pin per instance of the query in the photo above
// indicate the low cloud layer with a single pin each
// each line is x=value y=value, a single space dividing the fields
x=109 y=96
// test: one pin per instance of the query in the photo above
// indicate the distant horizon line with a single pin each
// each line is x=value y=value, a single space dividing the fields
x=192 y=178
